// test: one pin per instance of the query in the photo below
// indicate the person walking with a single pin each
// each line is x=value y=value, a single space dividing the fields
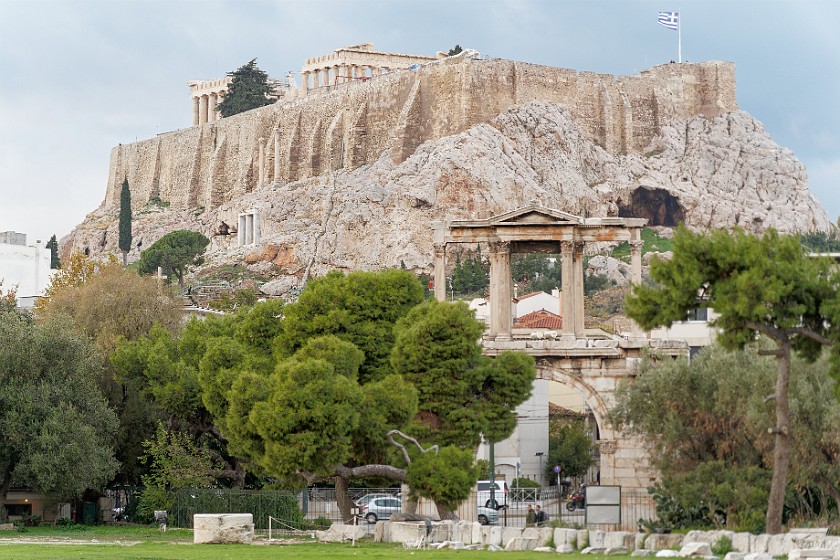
x=531 y=517
x=542 y=517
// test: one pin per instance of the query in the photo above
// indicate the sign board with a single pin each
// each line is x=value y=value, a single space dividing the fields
x=557 y=469
x=603 y=505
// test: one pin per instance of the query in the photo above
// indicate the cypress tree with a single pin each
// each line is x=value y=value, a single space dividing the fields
x=125 y=221
x=52 y=245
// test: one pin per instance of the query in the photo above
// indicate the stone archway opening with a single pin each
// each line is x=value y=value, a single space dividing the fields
x=570 y=414
x=658 y=206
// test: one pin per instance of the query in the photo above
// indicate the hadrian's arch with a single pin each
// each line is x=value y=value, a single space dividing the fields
x=591 y=362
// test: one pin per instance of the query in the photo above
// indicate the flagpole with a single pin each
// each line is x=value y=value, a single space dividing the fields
x=679 y=36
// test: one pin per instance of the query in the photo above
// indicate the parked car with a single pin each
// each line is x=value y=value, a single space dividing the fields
x=380 y=508
x=363 y=501
x=500 y=494
x=487 y=515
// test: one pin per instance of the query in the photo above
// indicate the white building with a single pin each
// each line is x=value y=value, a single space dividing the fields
x=25 y=267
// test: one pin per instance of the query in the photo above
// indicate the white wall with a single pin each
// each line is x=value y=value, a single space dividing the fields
x=542 y=300
x=529 y=437
x=28 y=267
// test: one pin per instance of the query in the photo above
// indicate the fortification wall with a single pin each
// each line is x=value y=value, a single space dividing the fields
x=352 y=124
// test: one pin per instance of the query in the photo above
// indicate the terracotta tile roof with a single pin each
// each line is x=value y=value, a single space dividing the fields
x=532 y=294
x=541 y=319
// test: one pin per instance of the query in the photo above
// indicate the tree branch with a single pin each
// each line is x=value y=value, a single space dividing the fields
x=811 y=334
x=402 y=448
x=368 y=471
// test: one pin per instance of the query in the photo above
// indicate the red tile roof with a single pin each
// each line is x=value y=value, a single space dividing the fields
x=541 y=319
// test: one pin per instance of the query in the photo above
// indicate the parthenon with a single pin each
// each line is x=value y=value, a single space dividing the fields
x=354 y=63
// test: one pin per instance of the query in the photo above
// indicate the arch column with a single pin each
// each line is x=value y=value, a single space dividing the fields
x=568 y=307
x=577 y=289
x=440 y=271
x=501 y=316
x=636 y=278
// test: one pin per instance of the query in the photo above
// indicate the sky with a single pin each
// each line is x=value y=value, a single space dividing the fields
x=78 y=77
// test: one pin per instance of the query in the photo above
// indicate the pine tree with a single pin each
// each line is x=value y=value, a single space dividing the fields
x=52 y=245
x=125 y=221
x=248 y=90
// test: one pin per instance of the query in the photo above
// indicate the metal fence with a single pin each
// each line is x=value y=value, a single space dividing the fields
x=316 y=508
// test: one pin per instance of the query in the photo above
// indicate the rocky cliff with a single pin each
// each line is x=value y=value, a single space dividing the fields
x=705 y=171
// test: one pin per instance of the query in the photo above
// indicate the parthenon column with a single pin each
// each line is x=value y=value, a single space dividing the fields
x=304 y=82
x=568 y=302
x=500 y=290
x=211 y=107
x=277 y=154
x=336 y=74
x=577 y=278
x=261 y=180
x=195 y=110
x=202 y=110
x=440 y=271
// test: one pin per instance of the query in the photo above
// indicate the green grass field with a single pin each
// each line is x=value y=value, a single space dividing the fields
x=144 y=543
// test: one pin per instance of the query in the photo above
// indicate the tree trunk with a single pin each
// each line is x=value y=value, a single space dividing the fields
x=781 y=447
x=342 y=497
x=445 y=513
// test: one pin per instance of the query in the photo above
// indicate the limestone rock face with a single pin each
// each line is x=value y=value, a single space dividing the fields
x=707 y=171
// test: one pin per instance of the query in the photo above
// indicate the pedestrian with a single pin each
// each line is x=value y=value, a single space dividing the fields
x=542 y=517
x=531 y=517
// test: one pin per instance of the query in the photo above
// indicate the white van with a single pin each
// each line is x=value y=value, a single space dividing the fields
x=500 y=494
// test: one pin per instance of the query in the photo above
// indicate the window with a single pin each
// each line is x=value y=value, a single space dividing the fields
x=698 y=314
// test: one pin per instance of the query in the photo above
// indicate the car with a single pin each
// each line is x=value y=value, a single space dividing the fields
x=363 y=501
x=499 y=498
x=380 y=508
x=487 y=515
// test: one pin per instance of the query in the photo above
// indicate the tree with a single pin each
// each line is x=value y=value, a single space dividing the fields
x=173 y=253
x=248 y=90
x=569 y=446
x=764 y=285
x=56 y=426
x=463 y=394
x=469 y=276
x=698 y=418
x=455 y=50
x=125 y=221
x=75 y=272
x=52 y=245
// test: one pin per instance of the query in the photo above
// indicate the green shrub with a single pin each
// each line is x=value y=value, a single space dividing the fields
x=722 y=546
x=524 y=482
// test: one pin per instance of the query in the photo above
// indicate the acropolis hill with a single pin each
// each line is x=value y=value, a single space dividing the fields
x=349 y=170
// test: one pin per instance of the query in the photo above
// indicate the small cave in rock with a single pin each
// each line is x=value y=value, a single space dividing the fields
x=659 y=206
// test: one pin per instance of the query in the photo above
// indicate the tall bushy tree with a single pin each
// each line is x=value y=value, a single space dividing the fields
x=57 y=429
x=248 y=90
x=764 y=285
x=125 y=221
x=173 y=253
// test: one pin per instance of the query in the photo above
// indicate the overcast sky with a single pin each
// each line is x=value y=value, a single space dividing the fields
x=78 y=77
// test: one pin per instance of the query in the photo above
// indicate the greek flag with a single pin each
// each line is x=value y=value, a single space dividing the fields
x=671 y=20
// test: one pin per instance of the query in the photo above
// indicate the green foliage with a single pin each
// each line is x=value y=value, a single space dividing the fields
x=652 y=241
x=524 y=482
x=469 y=276
x=248 y=90
x=281 y=505
x=360 y=307
x=447 y=477
x=714 y=494
x=595 y=283
x=173 y=253
x=175 y=462
x=241 y=298
x=722 y=546
x=52 y=245
x=821 y=242
x=57 y=428
x=455 y=50
x=569 y=447
x=125 y=219
x=462 y=393
x=536 y=272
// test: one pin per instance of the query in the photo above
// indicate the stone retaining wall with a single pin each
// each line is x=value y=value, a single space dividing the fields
x=745 y=546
